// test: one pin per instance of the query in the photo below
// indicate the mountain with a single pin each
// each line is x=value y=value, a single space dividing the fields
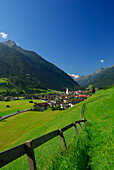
x=27 y=68
x=102 y=77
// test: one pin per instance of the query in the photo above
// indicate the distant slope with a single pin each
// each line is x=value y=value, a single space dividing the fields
x=106 y=78
x=102 y=77
x=29 y=69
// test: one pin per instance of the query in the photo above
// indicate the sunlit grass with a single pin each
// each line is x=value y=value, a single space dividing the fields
x=93 y=149
x=15 y=105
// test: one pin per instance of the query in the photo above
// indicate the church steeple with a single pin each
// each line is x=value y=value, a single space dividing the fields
x=67 y=90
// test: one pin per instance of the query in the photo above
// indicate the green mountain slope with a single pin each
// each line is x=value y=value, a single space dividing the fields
x=29 y=69
x=102 y=77
x=6 y=88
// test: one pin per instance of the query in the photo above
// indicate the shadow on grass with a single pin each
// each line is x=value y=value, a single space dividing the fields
x=2 y=121
x=76 y=156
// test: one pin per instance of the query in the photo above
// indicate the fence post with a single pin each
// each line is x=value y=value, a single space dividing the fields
x=62 y=139
x=75 y=127
x=85 y=122
x=30 y=155
x=82 y=112
x=80 y=125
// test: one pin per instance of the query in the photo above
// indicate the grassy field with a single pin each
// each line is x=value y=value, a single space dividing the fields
x=28 y=125
x=15 y=105
x=20 y=128
x=99 y=131
x=93 y=148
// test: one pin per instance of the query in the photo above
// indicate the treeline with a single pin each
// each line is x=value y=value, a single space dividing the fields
x=26 y=82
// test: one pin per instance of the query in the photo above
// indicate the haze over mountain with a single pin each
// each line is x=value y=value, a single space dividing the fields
x=27 y=68
x=102 y=77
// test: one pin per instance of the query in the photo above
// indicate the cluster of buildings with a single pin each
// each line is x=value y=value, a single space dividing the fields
x=62 y=101
x=58 y=101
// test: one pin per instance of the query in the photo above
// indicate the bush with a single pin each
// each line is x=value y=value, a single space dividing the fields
x=56 y=108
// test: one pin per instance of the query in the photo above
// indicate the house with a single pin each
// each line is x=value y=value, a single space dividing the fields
x=64 y=105
x=90 y=90
x=60 y=104
x=82 y=96
x=76 y=92
x=68 y=100
x=8 y=98
x=41 y=106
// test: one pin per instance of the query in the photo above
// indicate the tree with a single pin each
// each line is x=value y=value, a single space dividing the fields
x=93 y=90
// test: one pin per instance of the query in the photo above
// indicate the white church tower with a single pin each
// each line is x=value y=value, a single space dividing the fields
x=67 y=90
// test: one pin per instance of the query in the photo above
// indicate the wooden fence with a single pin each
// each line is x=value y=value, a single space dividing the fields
x=29 y=146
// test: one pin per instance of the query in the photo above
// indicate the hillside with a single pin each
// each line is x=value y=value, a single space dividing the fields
x=101 y=78
x=27 y=69
x=92 y=149
x=6 y=87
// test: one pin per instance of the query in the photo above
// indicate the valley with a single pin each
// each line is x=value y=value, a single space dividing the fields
x=56 y=85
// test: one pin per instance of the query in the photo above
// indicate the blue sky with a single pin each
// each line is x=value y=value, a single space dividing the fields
x=75 y=35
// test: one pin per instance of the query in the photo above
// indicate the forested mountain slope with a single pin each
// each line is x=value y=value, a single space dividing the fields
x=27 y=68
x=102 y=77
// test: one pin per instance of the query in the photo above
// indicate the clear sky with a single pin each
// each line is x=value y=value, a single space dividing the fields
x=75 y=35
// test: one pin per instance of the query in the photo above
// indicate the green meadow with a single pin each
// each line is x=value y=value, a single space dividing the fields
x=15 y=105
x=93 y=149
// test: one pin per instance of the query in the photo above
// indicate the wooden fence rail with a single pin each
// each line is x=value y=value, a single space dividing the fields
x=29 y=146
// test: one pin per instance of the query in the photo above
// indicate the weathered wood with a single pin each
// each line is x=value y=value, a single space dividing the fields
x=67 y=127
x=27 y=148
x=76 y=130
x=80 y=121
x=39 y=141
x=62 y=139
x=85 y=122
x=11 y=154
x=80 y=125
x=30 y=155
x=82 y=112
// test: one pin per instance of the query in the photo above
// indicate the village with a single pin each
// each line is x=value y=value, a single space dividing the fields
x=56 y=101
x=63 y=100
